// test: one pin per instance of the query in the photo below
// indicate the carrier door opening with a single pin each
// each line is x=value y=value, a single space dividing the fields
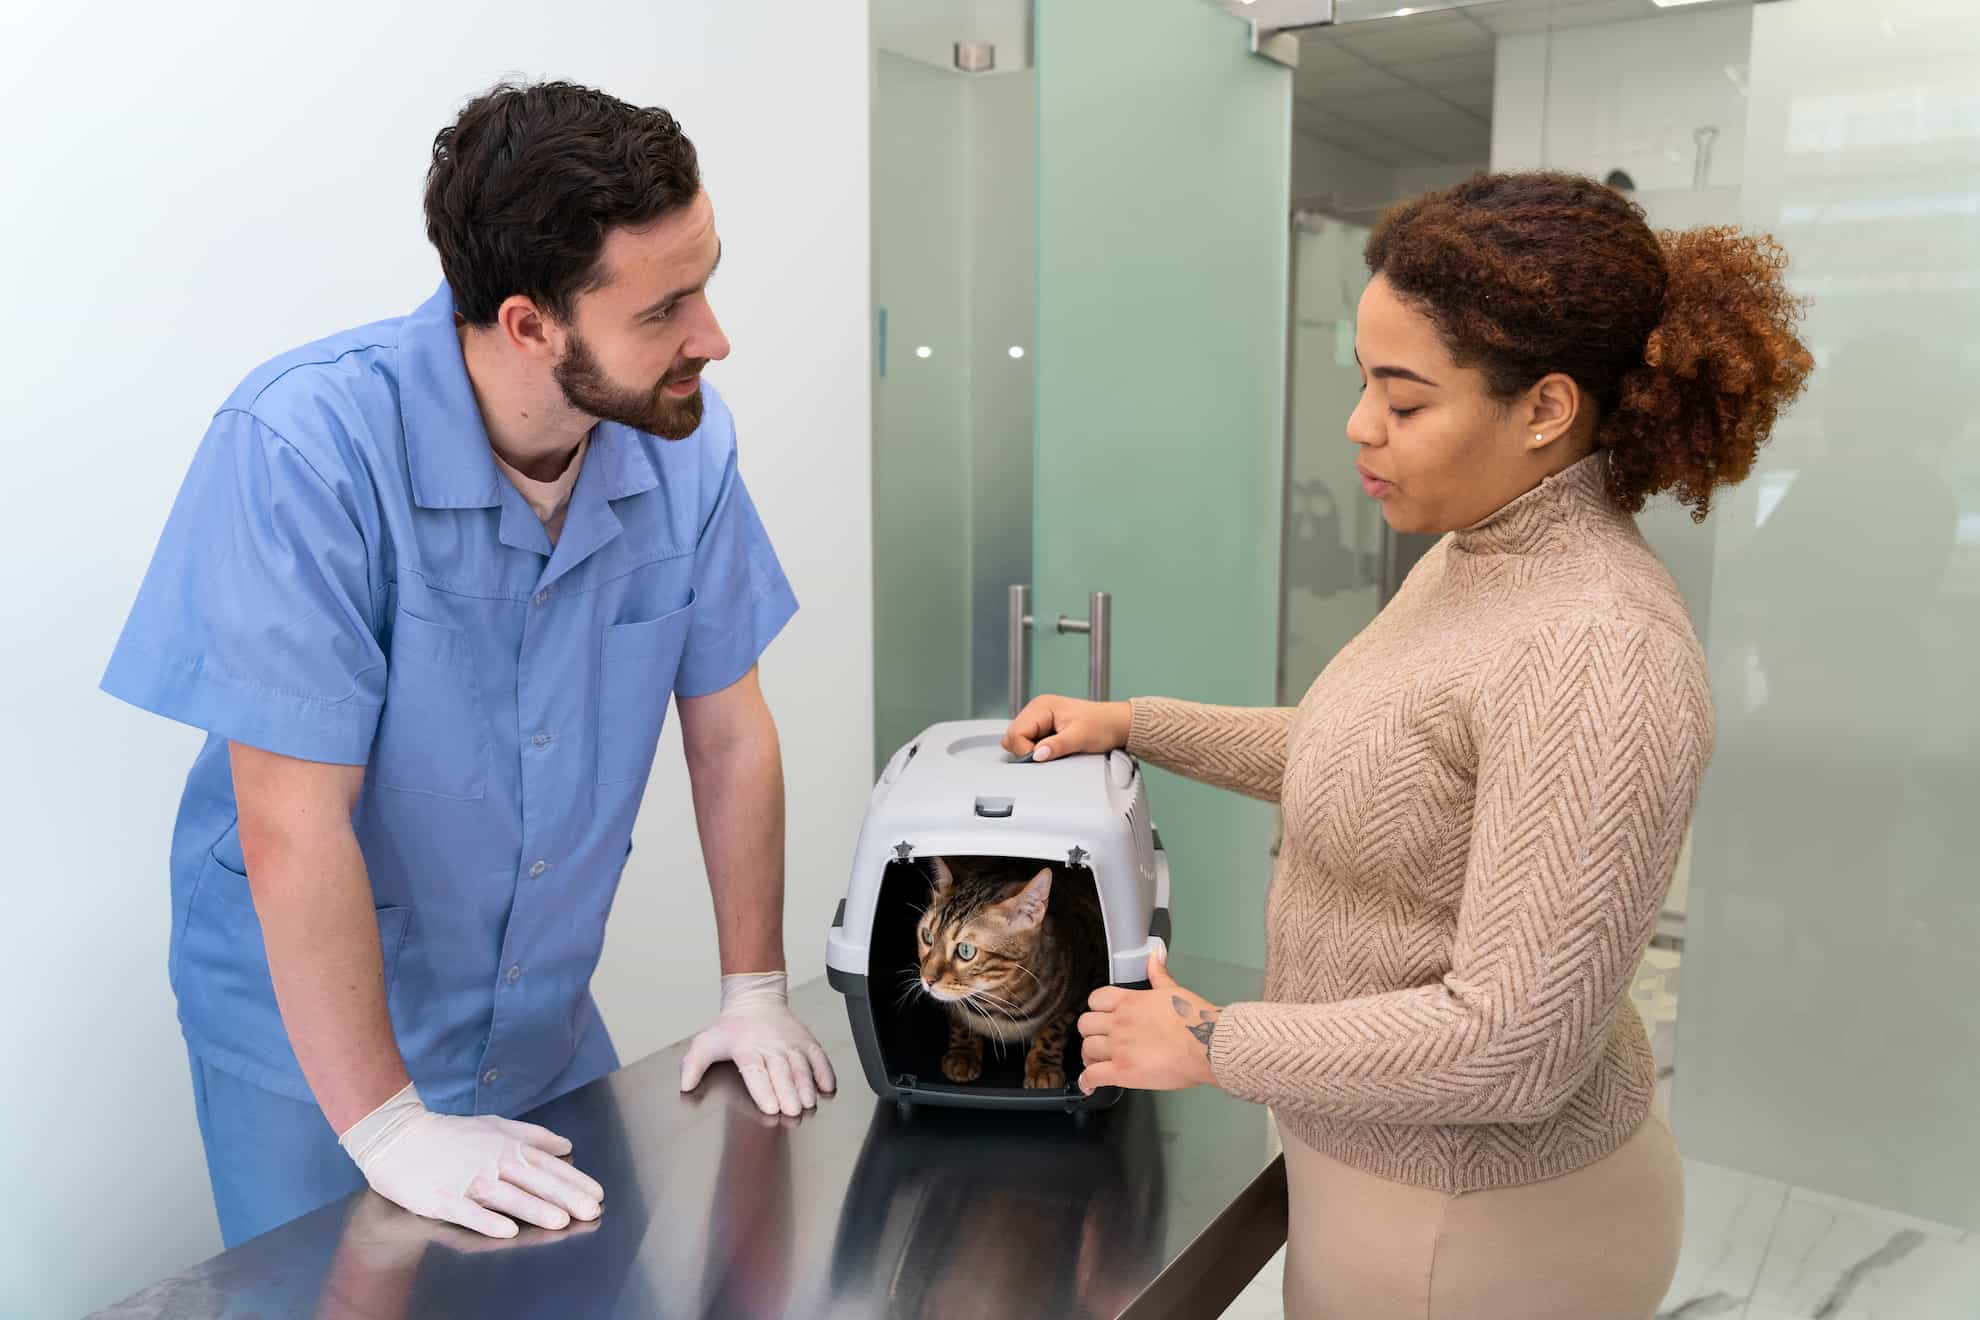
x=975 y=952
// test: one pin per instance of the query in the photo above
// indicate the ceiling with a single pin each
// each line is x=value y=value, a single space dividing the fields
x=1417 y=90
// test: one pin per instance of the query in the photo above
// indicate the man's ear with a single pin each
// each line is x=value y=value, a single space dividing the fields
x=528 y=330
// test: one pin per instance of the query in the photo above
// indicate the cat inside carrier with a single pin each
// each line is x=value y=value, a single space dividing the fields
x=989 y=897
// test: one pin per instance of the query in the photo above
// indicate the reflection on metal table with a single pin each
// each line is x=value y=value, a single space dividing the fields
x=1163 y=1206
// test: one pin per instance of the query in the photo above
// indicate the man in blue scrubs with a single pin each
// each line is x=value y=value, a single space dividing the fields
x=429 y=587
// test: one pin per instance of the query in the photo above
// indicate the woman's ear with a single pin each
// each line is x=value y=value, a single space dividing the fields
x=1552 y=407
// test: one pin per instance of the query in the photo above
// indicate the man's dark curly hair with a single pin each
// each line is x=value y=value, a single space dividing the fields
x=525 y=185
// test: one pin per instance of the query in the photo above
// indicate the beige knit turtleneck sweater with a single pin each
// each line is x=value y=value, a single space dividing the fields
x=1484 y=796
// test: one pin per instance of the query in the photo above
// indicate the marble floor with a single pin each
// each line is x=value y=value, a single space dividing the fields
x=1755 y=1249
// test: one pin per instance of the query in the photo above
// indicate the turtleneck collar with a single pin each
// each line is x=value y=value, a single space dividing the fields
x=1569 y=496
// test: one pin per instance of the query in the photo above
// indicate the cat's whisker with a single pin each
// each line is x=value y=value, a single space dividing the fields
x=1004 y=1007
x=909 y=987
x=970 y=1005
x=1000 y=1000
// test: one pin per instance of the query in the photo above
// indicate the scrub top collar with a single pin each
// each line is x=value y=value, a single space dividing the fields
x=452 y=466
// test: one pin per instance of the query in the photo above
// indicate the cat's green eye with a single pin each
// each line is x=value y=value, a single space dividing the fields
x=926 y=938
x=964 y=952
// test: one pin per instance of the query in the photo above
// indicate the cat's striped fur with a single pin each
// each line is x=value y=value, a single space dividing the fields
x=1012 y=948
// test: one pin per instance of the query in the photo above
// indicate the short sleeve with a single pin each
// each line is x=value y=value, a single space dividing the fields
x=254 y=619
x=742 y=599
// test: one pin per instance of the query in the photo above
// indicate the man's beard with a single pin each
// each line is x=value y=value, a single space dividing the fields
x=587 y=389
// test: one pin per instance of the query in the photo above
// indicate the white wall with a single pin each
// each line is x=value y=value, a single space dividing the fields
x=1625 y=96
x=195 y=187
x=1328 y=179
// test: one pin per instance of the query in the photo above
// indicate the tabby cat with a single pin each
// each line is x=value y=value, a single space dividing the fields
x=1010 y=960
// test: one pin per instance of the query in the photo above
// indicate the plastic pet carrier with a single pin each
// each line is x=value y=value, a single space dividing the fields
x=954 y=792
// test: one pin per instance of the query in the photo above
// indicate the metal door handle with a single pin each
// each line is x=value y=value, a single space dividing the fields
x=1099 y=630
x=1020 y=652
x=1098 y=626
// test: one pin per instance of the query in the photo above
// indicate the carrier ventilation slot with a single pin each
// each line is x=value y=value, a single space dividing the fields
x=1144 y=852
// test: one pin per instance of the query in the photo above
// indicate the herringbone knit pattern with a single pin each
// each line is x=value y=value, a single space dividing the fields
x=1484 y=797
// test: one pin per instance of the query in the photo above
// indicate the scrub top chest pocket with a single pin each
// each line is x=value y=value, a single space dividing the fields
x=432 y=733
x=636 y=679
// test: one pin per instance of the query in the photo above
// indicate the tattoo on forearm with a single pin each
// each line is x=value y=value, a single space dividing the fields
x=1203 y=1028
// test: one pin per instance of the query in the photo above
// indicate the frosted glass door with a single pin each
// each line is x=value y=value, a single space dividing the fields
x=1160 y=374
x=1826 y=1033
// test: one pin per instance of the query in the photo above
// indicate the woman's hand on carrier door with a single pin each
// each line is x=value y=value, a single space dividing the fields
x=1065 y=726
x=1147 y=1040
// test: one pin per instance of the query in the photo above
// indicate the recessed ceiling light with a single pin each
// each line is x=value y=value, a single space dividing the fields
x=1673 y=4
x=924 y=351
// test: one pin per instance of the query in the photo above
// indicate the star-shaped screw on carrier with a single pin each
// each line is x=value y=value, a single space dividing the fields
x=1077 y=857
x=904 y=851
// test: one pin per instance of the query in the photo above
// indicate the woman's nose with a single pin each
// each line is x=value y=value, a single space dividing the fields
x=1363 y=426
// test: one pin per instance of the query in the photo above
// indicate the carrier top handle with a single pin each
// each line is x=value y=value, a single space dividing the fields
x=1098 y=625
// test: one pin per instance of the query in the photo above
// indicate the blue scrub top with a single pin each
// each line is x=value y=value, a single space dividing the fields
x=346 y=577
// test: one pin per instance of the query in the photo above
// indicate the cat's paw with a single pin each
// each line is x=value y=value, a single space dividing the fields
x=962 y=1066
x=1043 y=1076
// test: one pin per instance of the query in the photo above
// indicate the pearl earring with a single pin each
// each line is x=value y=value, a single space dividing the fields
x=1539 y=439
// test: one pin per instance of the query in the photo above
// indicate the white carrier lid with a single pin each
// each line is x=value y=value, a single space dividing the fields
x=954 y=791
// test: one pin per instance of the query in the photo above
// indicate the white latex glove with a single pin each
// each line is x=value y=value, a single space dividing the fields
x=778 y=1057
x=463 y=1170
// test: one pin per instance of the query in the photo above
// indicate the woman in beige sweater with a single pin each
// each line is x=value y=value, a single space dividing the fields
x=1485 y=792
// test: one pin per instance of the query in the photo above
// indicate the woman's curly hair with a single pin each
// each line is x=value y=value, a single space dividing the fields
x=1684 y=341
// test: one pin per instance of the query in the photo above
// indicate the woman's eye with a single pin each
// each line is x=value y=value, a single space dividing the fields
x=964 y=952
x=1406 y=412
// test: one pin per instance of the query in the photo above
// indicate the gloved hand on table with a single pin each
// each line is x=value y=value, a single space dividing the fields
x=467 y=1169
x=780 y=1060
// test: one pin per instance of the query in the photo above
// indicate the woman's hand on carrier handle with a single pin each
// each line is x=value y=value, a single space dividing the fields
x=1052 y=727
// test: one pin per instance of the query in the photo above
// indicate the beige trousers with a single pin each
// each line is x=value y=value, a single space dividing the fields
x=1600 y=1243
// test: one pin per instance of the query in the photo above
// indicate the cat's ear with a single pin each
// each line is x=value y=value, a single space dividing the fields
x=942 y=877
x=1027 y=908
